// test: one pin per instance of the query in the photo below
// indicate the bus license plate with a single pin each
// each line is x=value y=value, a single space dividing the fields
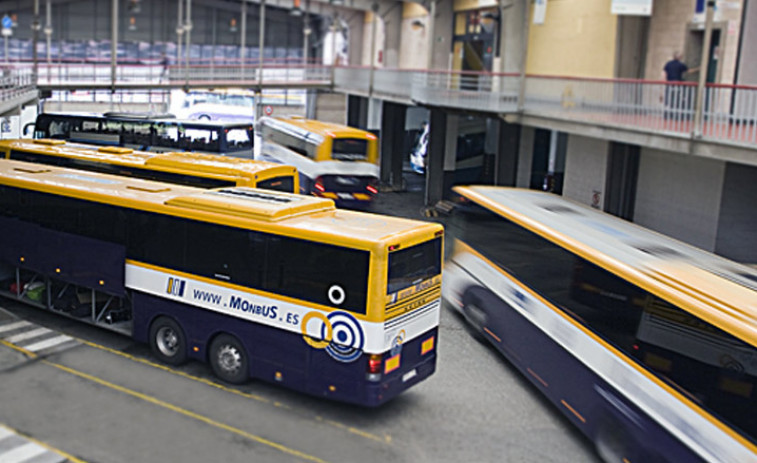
x=409 y=375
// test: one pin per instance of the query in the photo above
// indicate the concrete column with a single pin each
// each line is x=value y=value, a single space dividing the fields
x=506 y=154
x=513 y=34
x=374 y=114
x=435 y=157
x=356 y=23
x=357 y=112
x=393 y=32
x=392 y=144
x=442 y=36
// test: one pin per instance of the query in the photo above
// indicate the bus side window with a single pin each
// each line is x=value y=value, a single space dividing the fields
x=308 y=270
x=239 y=258
x=145 y=239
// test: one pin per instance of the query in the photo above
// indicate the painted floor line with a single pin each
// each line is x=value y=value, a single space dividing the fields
x=196 y=416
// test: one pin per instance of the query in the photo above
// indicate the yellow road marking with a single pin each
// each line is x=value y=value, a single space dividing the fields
x=387 y=439
x=177 y=372
x=204 y=419
x=352 y=430
x=20 y=349
x=70 y=457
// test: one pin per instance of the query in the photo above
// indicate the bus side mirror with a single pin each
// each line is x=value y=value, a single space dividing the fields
x=29 y=129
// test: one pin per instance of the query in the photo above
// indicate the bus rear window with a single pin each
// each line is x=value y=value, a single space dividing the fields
x=408 y=267
x=349 y=149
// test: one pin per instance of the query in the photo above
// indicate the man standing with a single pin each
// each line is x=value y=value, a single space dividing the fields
x=677 y=97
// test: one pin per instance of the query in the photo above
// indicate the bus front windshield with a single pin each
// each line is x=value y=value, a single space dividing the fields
x=408 y=267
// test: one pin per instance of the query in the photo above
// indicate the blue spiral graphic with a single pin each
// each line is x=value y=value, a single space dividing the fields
x=347 y=340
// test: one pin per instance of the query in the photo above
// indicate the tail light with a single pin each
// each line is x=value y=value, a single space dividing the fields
x=375 y=362
x=372 y=189
x=319 y=185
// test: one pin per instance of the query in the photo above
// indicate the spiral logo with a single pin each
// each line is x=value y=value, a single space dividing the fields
x=347 y=338
x=338 y=332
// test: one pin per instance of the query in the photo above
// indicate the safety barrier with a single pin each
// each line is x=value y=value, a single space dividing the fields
x=729 y=112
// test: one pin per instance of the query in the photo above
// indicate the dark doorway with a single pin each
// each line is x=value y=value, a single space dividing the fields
x=622 y=176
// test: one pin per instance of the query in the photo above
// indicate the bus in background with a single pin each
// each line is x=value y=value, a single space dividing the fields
x=260 y=284
x=183 y=168
x=646 y=344
x=148 y=132
x=228 y=105
x=334 y=161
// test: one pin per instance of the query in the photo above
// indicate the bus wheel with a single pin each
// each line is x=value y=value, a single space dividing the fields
x=475 y=315
x=204 y=117
x=168 y=342
x=228 y=359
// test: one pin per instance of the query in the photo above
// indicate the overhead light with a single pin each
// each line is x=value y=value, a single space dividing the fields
x=337 y=2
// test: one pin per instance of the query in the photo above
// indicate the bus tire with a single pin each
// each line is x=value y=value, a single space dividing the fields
x=167 y=341
x=203 y=117
x=474 y=314
x=228 y=359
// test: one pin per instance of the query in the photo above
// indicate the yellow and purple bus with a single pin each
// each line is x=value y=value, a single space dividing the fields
x=334 y=161
x=646 y=344
x=260 y=284
x=182 y=168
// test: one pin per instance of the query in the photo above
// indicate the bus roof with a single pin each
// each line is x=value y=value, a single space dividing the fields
x=716 y=289
x=324 y=129
x=290 y=214
x=209 y=165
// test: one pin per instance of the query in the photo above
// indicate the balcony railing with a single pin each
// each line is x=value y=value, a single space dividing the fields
x=729 y=112
x=16 y=87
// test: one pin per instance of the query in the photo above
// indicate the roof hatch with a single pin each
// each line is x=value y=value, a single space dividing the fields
x=252 y=203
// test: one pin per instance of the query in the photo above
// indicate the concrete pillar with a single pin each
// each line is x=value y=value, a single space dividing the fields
x=356 y=23
x=513 y=35
x=374 y=114
x=435 y=157
x=416 y=29
x=357 y=112
x=450 y=151
x=506 y=154
x=392 y=144
x=393 y=30
x=442 y=36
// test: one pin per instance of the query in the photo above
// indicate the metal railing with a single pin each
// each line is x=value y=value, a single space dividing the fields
x=467 y=90
x=729 y=112
x=651 y=105
x=15 y=83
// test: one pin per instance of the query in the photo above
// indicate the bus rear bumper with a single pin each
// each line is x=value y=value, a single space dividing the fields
x=387 y=389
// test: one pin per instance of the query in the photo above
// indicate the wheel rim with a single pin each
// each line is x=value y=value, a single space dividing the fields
x=167 y=341
x=229 y=359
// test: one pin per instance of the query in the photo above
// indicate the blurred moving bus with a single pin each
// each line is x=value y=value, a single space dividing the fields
x=334 y=161
x=260 y=284
x=184 y=168
x=646 y=344
x=148 y=132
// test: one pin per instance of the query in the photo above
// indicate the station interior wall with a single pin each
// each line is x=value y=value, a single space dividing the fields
x=738 y=219
x=576 y=39
x=680 y=196
x=586 y=169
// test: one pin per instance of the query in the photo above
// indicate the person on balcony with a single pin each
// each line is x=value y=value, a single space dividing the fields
x=678 y=98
